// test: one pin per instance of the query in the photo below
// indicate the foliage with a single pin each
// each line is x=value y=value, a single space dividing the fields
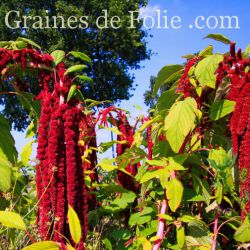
x=175 y=181
x=111 y=64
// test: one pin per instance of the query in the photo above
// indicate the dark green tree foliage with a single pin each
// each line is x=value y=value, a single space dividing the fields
x=114 y=51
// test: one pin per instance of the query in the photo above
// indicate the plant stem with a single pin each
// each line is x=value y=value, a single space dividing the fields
x=30 y=236
x=215 y=230
x=61 y=95
x=161 y=223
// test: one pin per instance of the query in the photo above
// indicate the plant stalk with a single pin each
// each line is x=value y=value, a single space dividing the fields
x=161 y=224
x=216 y=221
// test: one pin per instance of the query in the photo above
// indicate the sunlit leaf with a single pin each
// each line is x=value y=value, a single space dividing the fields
x=58 y=56
x=179 y=122
x=75 y=68
x=12 y=220
x=26 y=153
x=164 y=74
x=174 y=193
x=5 y=173
x=74 y=225
x=219 y=37
x=43 y=245
x=205 y=70
x=221 y=108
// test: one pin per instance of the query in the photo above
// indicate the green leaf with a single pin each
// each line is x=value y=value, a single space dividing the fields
x=5 y=44
x=12 y=220
x=112 y=129
x=205 y=70
x=180 y=235
x=75 y=68
x=207 y=51
x=166 y=99
x=164 y=74
x=219 y=194
x=141 y=218
x=248 y=50
x=5 y=173
x=149 y=175
x=30 y=130
x=28 y=41
x=7 y=143
x=147 y=245
x=179 y=122
x=121 y=234
x=70 y=247
x=107 y=164
x=174 y=193
x=81 y=56
x=221 y=108
x=174 y=165
x=58 y=56
x=107 y=243
x=219 y=37
x=43 y=245
x=74 y=225
x=187 y=218
x=242 y=234
x=72 y=92
x=85 y=79
x=26 y=153
x=19 y=45
x=165 y=217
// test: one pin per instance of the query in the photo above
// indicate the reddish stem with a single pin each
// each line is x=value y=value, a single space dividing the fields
x=61 y=95
x=30 y=236
x=215 y=230
x=161 y=224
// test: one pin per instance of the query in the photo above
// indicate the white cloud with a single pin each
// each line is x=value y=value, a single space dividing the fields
x=149 y=10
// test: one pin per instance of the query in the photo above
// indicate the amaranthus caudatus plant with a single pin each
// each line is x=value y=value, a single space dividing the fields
x=66 y=131
x=179 y=177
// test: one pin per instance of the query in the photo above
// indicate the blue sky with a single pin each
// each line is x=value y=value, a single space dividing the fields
x=168 y=45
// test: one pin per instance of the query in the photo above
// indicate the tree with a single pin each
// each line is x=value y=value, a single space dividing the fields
x=114 y=52
x=149 y=99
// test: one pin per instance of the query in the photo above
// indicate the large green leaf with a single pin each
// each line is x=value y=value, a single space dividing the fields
x=164 y=74
x=219 y=37
x=28 y=41
x=221 y=108
x=43 y=245
x=242 y=234
x=207 y=51
x=141 y=218
x=108 y=164
x=7 y=142
x=26 y=153
x=205 y=70
x=81 y=56
x=174 y=193
x=74 y=225
x=75 y=68
x=180 y=235
x=179 y=122
x=12 y=220
x=58 y=56
x=5 y=174
x=198 y=234
x=166 y=99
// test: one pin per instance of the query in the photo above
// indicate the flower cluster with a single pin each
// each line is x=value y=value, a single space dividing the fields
x=185 y=86
x=62 y=125
x=235 y=69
